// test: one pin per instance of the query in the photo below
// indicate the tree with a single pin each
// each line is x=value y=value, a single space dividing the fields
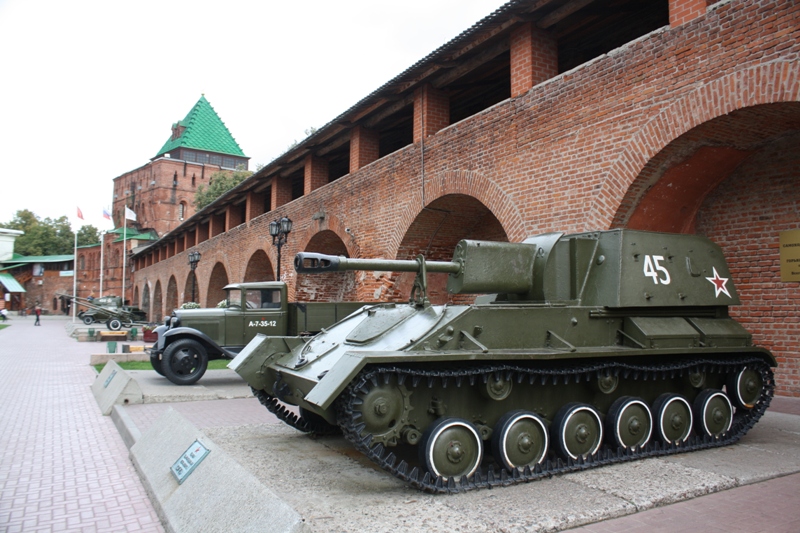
x=88 y=235
x=48 y=236
x=218 y=184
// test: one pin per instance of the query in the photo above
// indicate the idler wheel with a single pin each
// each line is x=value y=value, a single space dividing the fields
x=713 y=412
x=520 y=439
x=629 y=423
x=451 y=448
x=674 y=419
x=577 y=430
x=744 y=389
x=383 y=409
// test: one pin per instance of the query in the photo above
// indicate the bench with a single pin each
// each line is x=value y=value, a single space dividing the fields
x=112 y=335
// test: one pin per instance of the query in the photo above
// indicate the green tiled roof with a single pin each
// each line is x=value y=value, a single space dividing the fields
x=204 y=131
x=43 y=258
x=11 y=284
x=134 y=234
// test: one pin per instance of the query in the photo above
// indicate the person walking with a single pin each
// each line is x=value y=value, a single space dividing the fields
x=4 y=314
x=38 y=311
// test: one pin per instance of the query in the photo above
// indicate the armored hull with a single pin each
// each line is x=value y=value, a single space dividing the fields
x=589 y=349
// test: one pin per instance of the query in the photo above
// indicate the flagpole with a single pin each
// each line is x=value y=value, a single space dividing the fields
x=124 y=252
x=75 y=277
x=102 y=246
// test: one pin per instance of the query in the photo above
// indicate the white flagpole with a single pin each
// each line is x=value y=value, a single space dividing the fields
x=124 y=252
x=75 y=277
x=102 y=267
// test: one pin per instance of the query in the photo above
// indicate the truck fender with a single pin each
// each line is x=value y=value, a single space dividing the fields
x=190 y=333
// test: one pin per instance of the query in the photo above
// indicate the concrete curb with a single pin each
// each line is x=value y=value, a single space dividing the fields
x=218 y=495
x=125 y=425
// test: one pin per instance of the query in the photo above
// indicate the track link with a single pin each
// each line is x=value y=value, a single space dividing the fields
x=490 y=477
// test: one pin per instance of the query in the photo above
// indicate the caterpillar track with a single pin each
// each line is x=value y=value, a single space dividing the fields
x=490 y=474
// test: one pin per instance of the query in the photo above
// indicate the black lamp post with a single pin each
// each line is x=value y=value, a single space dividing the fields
x=280 y=229
x=194 y=258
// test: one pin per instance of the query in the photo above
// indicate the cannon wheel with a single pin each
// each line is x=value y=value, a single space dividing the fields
x=114 y=324
x=88 y=320
x=184 y=361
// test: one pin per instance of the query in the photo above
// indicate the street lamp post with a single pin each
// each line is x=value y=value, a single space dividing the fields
x=194 y=258
x=280 y=229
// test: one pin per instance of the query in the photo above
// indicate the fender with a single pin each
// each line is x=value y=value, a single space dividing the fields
x=185 y=332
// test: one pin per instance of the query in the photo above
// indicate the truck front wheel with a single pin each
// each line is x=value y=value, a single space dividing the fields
x=184 y=361
x=156 y=362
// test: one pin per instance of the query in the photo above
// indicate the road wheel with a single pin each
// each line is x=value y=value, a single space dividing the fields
x=713 y=412
x=577 y=430
x=451 y=448
x=114 y=324
x=519 y=439
x=88 y=320
x=184 y=361
x=673 y=416
x=629 y=423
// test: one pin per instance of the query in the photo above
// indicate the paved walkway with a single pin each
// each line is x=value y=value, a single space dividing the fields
x=63 y=465
x=65 y=468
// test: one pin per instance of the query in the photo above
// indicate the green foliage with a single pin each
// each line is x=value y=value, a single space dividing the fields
x=218 y=184
x=48 y=236
x=190 y=305
x=216 y=364
x=88 y=235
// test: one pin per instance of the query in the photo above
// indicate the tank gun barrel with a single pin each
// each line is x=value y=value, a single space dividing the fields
x=315 y=263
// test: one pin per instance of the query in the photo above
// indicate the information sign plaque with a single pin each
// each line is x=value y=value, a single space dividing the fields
x=109 y=378
x=790 y=255
x=187 y=462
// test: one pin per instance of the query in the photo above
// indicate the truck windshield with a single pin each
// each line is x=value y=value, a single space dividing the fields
x=263 y=299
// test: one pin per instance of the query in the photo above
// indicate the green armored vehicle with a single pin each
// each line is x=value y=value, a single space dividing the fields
x=583 y=350
x=189 y=338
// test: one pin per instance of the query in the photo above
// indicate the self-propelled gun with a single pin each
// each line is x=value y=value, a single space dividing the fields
x=581 y=350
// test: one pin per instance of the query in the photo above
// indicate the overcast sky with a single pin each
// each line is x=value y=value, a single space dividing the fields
x=90 y=89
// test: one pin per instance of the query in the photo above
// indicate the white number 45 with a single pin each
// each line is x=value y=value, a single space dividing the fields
x=652 y=268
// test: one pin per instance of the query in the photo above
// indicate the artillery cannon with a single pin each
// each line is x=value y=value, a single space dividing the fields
x=584 y=350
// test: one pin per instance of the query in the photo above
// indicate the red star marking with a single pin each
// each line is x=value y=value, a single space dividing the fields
x=719 y=284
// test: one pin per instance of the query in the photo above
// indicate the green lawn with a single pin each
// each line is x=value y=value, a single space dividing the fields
x=145 y=365
x=4 y=326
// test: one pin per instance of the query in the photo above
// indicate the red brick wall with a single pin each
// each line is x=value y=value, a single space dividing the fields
x=534 y=58
x=745 y=216
x=431 y=111
x=576 y=153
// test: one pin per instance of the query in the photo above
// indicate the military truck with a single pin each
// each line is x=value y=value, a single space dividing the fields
x=582 y=350
x=189 y=338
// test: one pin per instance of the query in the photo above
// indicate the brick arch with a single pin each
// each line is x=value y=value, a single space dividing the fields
x=484 y=190
x=146 y=304
x=774 y=82
x=171 y=299
x=467 y=183
x=259 y=267
x=217 y=279
x=330 y=223
x=262 y=244
x=330 y=286
x=158 y=302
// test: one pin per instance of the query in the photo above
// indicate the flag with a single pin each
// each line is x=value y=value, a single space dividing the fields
x=80 y=214
x=106 y=214
x=129 y=214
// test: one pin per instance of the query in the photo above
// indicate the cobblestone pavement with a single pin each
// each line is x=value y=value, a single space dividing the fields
x=64 y=466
